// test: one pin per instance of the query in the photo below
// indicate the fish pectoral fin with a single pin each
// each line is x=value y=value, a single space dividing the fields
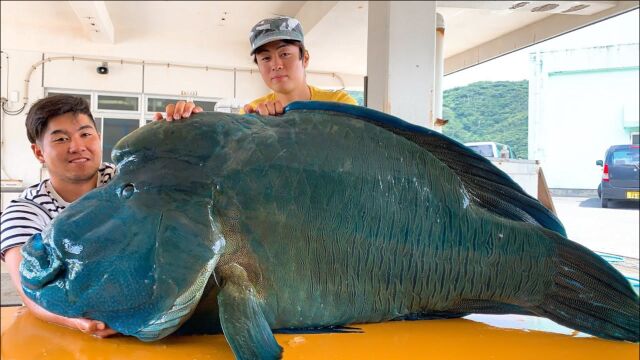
x=243 y=323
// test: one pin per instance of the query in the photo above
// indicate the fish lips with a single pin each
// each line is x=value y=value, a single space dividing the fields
x=118 y=292
x=39 y=266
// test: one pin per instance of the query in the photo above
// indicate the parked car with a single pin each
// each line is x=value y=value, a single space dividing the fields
x=492 y=149
x=620 y=174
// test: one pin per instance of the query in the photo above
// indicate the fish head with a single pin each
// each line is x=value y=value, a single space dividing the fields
x=135 y=253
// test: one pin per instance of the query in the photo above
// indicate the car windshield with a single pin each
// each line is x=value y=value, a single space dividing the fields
x=484 y=150
x=629 y=156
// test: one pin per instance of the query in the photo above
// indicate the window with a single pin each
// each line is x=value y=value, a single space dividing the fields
x=114 y=130
x=114 y=102
x=87 y=97
x=159 y=104
x=206 y=105
x=628 y=156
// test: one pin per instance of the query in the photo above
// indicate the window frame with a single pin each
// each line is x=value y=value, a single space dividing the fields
x=148 y=115
x=48 y=91
x=97 y=94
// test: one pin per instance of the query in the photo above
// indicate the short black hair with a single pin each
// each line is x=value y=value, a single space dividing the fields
x=286 y=41
x=45 y=109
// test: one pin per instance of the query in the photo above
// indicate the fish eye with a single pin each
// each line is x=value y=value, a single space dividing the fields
x=127 y=191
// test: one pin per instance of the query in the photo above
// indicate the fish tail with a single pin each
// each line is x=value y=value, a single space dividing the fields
x=589 y=295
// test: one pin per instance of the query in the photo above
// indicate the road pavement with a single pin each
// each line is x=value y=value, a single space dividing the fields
x=615 y=230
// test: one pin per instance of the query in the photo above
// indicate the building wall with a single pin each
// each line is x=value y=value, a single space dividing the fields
x=25 y=45
x=581 y=101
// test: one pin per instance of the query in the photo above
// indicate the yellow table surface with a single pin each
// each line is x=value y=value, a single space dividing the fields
x=474 y=337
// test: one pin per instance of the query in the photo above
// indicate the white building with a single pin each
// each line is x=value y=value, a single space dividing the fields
x=581 y=101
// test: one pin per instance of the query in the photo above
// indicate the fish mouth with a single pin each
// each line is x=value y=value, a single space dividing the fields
x=169 y=321
x=181 y=309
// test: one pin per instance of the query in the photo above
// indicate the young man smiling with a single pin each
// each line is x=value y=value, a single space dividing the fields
x=277 y=46
x=63 y=136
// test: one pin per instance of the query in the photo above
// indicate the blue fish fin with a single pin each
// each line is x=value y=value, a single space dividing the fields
x=488 y=186
x=243 y=323
x=589 y=294
x=321 y=330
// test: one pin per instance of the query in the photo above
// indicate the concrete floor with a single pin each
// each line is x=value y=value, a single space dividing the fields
x=615 y=230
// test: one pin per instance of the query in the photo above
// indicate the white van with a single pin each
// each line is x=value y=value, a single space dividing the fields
x=492 y=149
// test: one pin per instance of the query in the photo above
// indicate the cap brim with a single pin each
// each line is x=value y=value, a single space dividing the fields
x=272 y=38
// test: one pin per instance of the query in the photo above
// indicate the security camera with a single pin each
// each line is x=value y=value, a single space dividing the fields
x=103 y=69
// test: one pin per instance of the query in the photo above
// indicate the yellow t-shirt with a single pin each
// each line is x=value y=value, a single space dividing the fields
x=317 y=94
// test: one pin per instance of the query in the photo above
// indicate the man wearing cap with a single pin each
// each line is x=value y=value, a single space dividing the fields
x=277 y=46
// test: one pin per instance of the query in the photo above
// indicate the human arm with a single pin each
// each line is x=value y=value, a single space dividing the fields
x=267 y=106
x=13 y=257
x=180 y=110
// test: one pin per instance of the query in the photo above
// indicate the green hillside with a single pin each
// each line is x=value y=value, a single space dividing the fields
x=489 y=111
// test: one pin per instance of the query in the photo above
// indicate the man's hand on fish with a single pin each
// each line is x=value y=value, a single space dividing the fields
x=180 y=110
x=183 y=109
x=266 y=108
x=92 y=327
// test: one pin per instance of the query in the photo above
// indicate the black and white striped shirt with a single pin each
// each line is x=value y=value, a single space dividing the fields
x=35 y=208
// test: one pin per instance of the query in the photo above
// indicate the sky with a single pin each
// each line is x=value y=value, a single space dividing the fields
x=622 y=29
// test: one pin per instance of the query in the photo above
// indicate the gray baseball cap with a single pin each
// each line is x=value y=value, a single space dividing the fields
x=272 y=29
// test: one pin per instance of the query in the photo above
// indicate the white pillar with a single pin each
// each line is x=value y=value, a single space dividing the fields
x=438 y=120
x=401 y=59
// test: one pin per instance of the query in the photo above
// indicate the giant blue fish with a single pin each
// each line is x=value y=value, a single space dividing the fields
x=325 y=216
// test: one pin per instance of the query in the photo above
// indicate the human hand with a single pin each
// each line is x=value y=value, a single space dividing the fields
x=92 y=327
x=179 y=110
x=265 y=108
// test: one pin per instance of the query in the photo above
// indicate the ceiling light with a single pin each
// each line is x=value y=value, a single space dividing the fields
x=576 y=8
x=545 y=7
x=518 y=5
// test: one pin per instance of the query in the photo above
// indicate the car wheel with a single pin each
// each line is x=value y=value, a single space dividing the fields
x=604 y=203
x=600 y=190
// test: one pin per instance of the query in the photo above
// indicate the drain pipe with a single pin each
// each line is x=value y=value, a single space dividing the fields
x=4 y=175
x=438 y=121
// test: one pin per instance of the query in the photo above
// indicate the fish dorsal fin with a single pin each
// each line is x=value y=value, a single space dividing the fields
x=488 y=186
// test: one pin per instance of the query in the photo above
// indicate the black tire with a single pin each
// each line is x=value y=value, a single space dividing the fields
x=604 y=203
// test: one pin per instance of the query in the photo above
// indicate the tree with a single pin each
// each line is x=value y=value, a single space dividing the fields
x=489 y=111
